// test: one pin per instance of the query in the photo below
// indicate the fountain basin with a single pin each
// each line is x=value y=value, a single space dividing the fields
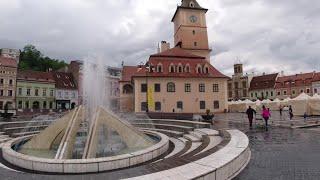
x=78 y=166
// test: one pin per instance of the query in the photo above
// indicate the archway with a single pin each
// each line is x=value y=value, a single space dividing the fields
x=36 y=105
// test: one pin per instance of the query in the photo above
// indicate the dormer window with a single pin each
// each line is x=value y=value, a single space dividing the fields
x=171 y=68
x=206 y=69
x=159 y=68
x=180 y=68
x=191 y=4
x=199 y=69
x=187 y=68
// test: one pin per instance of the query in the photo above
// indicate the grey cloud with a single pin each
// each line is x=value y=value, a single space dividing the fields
x=265 y=34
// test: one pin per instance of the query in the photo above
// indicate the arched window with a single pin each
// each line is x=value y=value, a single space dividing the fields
x=127 y=89
x=206 y=69
x=187 y=68
x=172 y=68
x=191 y=4
x=180 y=68
x=199 y=69
x=159 y=68
x=171 y=87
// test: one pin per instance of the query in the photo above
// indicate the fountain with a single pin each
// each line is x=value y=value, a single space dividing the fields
x=88 y=139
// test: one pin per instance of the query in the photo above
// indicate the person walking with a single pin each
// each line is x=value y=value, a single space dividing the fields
x=266 y=115
x=290 y=112
x=280 y=109
x=250 y=112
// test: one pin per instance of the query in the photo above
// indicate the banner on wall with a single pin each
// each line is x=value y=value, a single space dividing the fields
x=150 y=98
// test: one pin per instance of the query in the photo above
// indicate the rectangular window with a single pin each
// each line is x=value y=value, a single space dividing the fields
x=10 y=93
x=20 y=91
x=157 y=106
x=256 y=95
x=252 y=95
x=284 y=92
x=1 y=92
x=202 y=87
x=180 y=105
x=244 y=92
x=229 y=86
x=293 y=92
x=10 y=82
x=28 y=92
x=144 y=88
x=51 y=93
x=271 y=93
x=73 y=95
x=51 y=105
x=267 y=93
x=216 y=105
x=44 y=92
x=144 y=106
x=301 y=91
x=27 y=105
x=1 y=81
x=195 y=43
x=279 y=93
x=20 y=104
x=187 y=87
x=202 y=105
x=1 y=104
x=45 y=105
x=36 y=92
x=308 y=91
x=215 y=87
x=157 y=88
x=315 y=90
x=244 y=84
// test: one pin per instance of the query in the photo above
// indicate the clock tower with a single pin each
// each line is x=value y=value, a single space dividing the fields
x=190 y=28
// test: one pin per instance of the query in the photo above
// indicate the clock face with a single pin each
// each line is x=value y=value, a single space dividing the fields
x=193 y=19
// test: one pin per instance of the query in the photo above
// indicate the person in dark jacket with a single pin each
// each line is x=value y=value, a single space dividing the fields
x=250 y=112
x=290 y=112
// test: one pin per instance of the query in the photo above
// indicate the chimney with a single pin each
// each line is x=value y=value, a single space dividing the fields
x=164 y=46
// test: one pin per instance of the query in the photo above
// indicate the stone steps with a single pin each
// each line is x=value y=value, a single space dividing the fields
x=169 y=133
x=178 y=128
x=194 y=124
x=192 y=138
x=25 y=133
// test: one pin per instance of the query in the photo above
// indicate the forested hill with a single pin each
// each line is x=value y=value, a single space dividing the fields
x=33 y=59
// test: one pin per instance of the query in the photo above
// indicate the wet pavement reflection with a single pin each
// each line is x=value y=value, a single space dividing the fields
x=280 y=153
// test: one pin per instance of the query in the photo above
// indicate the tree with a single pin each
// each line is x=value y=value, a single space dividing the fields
x=32 y=59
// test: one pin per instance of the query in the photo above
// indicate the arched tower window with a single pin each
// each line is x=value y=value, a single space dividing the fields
x=191 y=4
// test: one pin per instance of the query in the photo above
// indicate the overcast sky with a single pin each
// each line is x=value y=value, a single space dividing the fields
x=265 y=35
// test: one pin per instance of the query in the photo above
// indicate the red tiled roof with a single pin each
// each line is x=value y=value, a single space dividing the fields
x=9 y=62
x=316 y=77
x=64 y=80
x=263 y=82
x=176 y=57
x=38 y=76
x=297 y=80
x=128 y=72
x=177 y=53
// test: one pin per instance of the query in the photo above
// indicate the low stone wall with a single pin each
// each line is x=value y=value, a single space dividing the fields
x=74 y=166
x=226 y=163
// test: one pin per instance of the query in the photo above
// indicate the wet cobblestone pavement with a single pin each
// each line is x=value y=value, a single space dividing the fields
x=279 y=154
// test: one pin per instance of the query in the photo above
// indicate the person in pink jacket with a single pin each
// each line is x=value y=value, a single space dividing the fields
x=266 y=115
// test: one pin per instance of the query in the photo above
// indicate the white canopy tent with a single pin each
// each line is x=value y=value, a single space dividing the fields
x=285 y=102
x=300 y=104
x=244 y=105
x=274 y=105
x=258 y=105
x=314 y=105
